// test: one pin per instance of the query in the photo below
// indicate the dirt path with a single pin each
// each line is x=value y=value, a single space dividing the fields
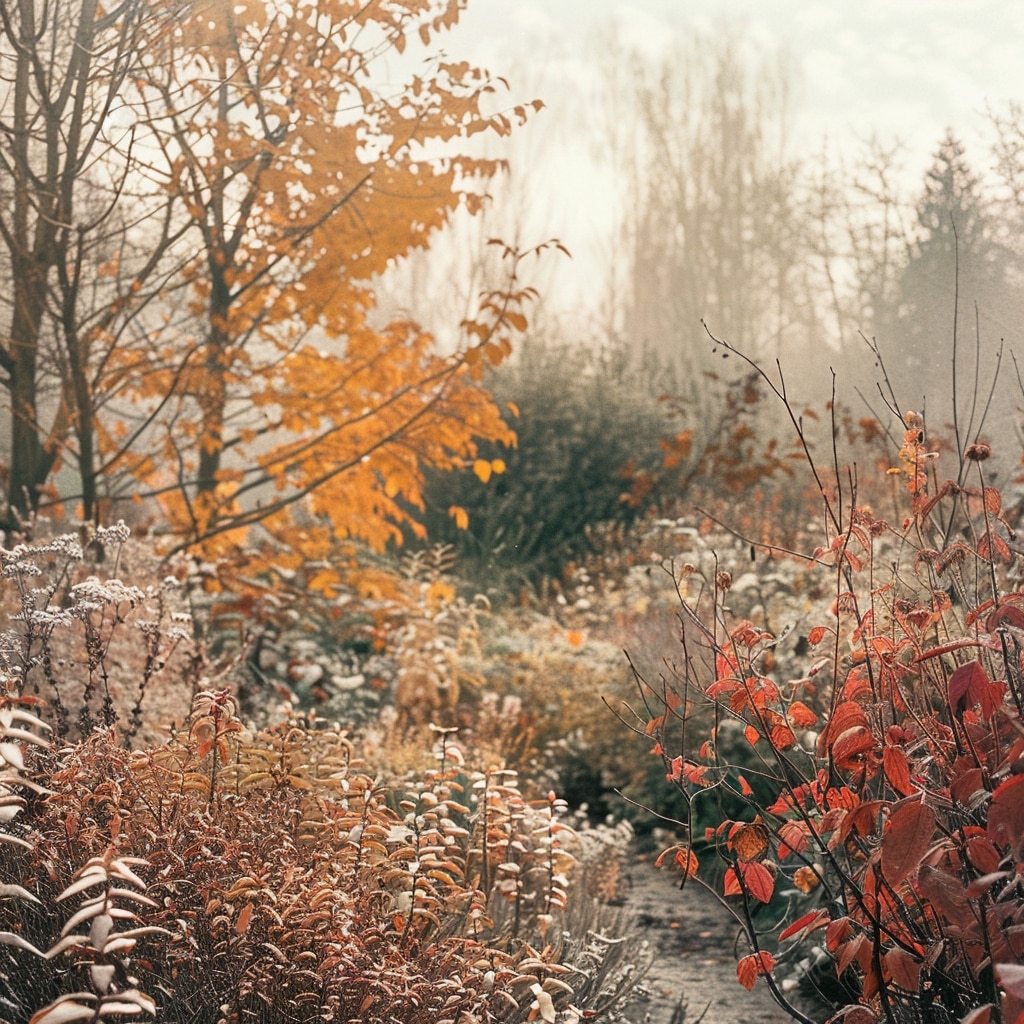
x=693 y=976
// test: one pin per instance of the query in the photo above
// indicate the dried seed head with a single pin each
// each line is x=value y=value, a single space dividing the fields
x=978 y=452
x=723 y=580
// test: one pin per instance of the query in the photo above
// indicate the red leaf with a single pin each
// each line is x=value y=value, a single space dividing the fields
x=244 y=916
x=1011 y=614
x=903 y=969
x=732 y=885
x=1002 y=549
x=970 y=685
x=1006 y=815
x=815 y=636
x=961 y=682
x=782 y=737
x=746 y=971
x=907 y=837
x=654 y=725
x=792 y=839
x=726 y=665
x=857 y=683
x=750 y=967
x=850 y=747
x=837 y=933
x=850 y=951
x=946 y=894
x=847 y=715
x=810 y=922
x=897 y=770
x=981 y=885
x=758 y=881
x=1011 y=978
x=858 y=1015
x=801 y=715
x=993 y=500
x=721 y=687
x=687 y=861
x=862 y=820
x=966 y=782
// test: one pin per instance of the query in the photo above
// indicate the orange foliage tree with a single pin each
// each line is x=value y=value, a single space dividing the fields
x=301 y=149
x=304 y=175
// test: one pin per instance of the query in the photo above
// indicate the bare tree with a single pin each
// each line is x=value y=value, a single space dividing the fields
x=712 y=228
x=67 y=150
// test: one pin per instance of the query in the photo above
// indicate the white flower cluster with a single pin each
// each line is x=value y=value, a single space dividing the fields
x=22 y=559
x=46 y=619
x=15 y=567
x=95 y=594
x=109 y=536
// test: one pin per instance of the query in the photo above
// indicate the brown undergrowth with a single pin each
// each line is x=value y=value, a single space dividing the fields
x=231 y=874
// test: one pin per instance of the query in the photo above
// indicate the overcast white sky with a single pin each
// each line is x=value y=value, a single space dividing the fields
x=906 y=67
x=902 y=70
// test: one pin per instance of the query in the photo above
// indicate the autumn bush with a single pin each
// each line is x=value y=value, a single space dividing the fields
x=584 y=420
x=890 y=745
x=227 y=872
x=604 y=439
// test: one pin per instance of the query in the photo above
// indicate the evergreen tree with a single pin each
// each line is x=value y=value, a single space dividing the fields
x=954 y=267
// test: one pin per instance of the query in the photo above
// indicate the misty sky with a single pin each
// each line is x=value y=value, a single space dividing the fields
x=901 y=70
x=907 y=68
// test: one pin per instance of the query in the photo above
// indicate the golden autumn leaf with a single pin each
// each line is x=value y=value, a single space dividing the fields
x=750 y=842
x=439 y=594
x=806 y=879
x=460 y=515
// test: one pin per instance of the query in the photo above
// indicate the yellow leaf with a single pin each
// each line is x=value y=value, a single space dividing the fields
x=439 y=594
x=498 y=465
x=483 y=469
x=460 y=515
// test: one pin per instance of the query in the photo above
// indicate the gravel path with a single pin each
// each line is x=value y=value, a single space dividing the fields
x=693 y=977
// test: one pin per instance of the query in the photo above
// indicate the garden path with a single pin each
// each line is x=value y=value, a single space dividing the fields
x=693 y=976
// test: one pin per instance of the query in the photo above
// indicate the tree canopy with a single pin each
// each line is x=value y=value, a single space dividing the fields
x=218 y=351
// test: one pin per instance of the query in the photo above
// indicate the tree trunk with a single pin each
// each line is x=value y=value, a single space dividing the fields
x=30 y=461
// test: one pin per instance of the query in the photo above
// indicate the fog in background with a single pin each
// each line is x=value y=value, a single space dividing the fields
x=801 y=176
